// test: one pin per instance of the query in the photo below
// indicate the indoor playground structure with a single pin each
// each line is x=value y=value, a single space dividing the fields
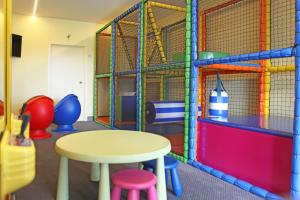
x=219 y=79
x=129 y=84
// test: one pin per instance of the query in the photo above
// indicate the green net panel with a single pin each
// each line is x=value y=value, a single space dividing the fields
x=165 y=32
x=103 y=51
x=125 y=102
x=102 y=99
x=127 y=43
x=165 y=86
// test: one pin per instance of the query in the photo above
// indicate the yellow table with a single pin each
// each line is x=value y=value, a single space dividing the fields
x=110 y=147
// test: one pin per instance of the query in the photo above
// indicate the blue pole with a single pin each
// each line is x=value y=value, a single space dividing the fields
x=194 y=83
x=295 y=184
x=112 y=79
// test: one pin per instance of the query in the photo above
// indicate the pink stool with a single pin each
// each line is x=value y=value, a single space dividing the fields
x=133 y=180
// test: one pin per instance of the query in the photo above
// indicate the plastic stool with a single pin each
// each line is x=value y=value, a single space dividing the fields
x=170 y=165
x=133 y=180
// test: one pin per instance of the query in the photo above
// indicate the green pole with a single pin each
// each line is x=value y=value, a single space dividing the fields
x=187 y=79
x=95 y=80
x=112 y=66
x=141 y=64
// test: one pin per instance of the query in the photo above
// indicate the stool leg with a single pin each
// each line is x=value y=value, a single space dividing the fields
x=116 y=193
x=152 y=195
x=133 y=195
x=167 y=177
x=176 y=182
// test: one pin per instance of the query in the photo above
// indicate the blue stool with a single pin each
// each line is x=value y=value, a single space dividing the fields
x=170 y=165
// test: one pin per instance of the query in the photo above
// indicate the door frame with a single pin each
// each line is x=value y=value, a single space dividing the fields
x=85 y=65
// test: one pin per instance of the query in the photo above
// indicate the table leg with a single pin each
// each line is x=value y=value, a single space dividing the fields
x=161 y=179
x=95 y=172
x=104 y=185
x=63 y=180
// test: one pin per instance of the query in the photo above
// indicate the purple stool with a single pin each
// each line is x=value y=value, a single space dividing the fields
x=133 y=180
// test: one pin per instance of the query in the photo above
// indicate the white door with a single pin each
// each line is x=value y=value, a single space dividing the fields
x=66 y=74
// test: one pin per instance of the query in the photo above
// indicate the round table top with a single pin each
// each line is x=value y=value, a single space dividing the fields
x=112 y=146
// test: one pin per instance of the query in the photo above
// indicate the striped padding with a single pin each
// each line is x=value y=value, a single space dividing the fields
x=166 y=111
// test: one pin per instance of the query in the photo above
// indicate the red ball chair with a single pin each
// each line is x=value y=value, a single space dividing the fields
x=41 y=109
x=1 y=108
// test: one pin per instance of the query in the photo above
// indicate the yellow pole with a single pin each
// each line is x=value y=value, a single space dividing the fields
x=161 y=88
x=157 y=34
x=200 y=70
x=129 y=59
x=152 y=51
x=167 y=6
x=281 y=68
x=7 y=44
x=129 y=23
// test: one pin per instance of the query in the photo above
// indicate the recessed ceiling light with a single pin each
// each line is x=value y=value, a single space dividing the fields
x=34 y=8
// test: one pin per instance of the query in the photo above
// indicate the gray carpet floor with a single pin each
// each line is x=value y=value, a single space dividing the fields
x=197 y=185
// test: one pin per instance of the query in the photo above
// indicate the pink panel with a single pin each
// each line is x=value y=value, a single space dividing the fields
x=261 y=159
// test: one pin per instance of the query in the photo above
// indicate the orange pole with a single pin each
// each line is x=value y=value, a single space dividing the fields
x=203 y=81
x=262 y=47
x=224 y=5
x=203 y=95
x=203 y=32
x=209 y=73
x=234 y=67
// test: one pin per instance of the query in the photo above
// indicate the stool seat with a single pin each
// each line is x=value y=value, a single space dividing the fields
x=133 y=180
x=169 y=163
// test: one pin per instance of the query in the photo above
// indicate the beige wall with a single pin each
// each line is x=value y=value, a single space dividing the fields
x=30 y=72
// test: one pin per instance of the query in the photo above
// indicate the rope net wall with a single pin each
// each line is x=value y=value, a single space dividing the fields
x=127 y=42
x=161 y=89
x=242 y=90
x=103 y=51
x=233 y=27
x=165 y=32
x=103 y=99
x=282 y=27
x=125 y=102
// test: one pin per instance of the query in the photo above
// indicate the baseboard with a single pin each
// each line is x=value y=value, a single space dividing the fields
x=90 y=118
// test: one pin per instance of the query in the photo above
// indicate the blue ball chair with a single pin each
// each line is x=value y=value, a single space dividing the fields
x=66 y=113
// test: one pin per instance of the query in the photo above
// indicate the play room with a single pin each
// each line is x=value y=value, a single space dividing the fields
x=149 y=99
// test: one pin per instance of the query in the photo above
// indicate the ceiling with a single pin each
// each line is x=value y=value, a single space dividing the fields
x=96 y=11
